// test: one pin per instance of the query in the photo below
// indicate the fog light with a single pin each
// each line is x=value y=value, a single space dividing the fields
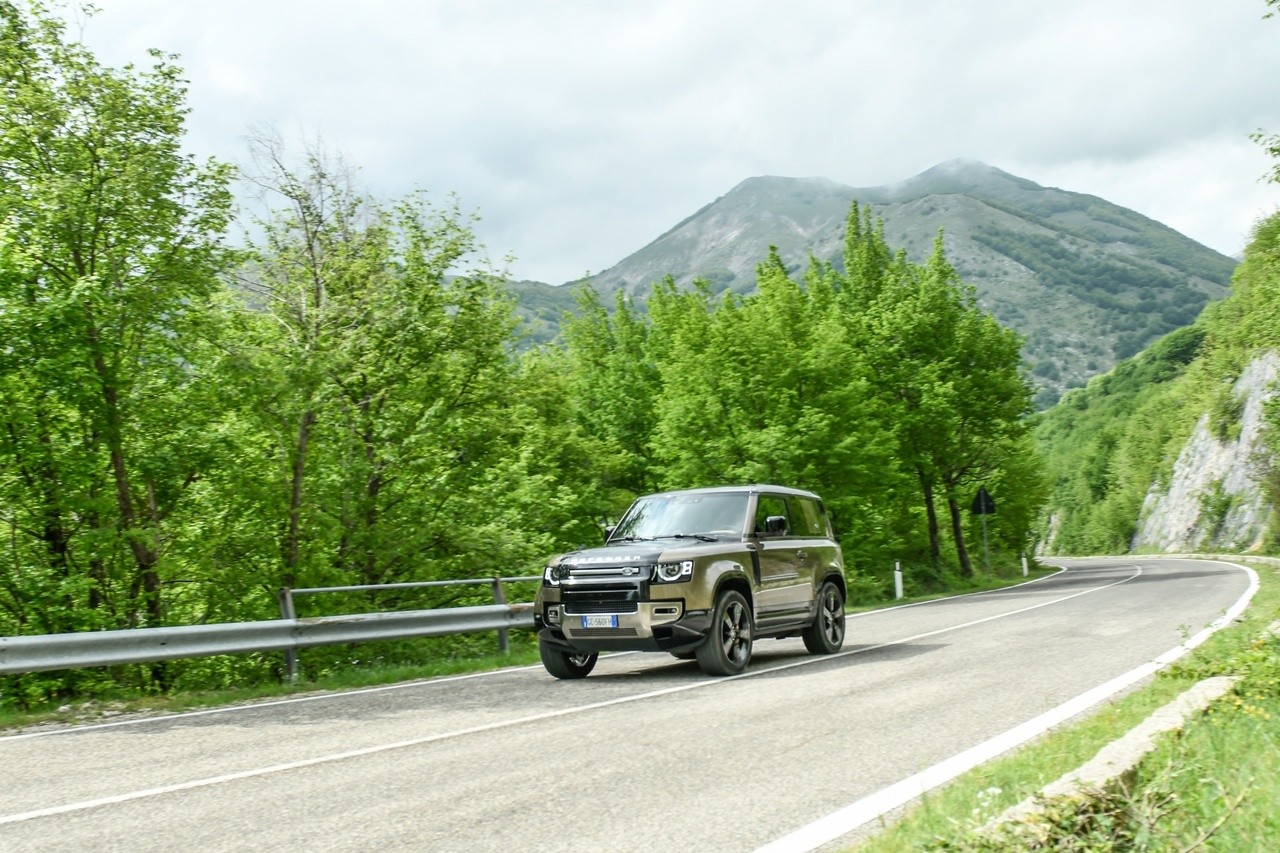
x=553 y=615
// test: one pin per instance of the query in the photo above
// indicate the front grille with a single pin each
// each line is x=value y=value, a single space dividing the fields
x=602 y=598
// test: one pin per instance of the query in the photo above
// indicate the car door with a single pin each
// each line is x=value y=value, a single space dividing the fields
x=784 y=591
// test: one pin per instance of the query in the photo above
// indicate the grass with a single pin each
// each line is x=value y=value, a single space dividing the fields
x=1213 y=787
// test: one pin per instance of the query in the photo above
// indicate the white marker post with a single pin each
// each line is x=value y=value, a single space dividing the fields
x=1024 y=566
x=897 y=579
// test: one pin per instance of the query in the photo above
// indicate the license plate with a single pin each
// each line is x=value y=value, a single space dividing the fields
x=600 y=621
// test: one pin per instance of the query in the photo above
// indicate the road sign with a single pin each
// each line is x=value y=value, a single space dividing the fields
x=983 y=503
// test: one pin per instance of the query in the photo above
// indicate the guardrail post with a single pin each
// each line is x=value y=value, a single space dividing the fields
x=504 y=636
x=285 y=597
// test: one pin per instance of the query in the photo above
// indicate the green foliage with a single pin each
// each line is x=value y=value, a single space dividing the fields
x=950 y=379
x=111 y=245
x=772 y=388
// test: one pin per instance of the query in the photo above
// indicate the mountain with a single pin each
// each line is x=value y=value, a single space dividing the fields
x=1087 y=282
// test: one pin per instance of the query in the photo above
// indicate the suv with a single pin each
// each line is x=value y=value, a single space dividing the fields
x=699 y=573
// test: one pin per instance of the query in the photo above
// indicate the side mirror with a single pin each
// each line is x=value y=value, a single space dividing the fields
x=776 y=525
x=608 y=531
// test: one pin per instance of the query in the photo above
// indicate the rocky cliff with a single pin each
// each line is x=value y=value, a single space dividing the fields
x=1213 y=500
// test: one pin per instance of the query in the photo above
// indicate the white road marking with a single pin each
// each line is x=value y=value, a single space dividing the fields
x=373 y=750
x=182 y=715
x=872 y=806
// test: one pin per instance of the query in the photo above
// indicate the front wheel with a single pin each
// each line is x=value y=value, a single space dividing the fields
x=564 y=664
x=727 y=649
x=826 y=635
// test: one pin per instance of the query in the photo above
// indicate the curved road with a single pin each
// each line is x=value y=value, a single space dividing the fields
x=645 y=754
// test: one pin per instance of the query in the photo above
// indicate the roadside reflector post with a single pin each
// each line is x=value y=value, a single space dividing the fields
x=285 y=597
x=1024 y=566
x=897 y=579
x=504 y=636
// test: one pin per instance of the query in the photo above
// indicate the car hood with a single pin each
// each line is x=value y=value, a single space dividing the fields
x=622 y=554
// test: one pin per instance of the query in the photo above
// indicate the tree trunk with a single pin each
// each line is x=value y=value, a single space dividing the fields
x=957 y=531
x=291 y=548
x=935 y=544
x=145 y=557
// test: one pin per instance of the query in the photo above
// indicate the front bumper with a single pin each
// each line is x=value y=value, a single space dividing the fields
x=656 y=626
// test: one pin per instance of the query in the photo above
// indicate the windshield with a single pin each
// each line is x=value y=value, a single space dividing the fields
x=663 y=516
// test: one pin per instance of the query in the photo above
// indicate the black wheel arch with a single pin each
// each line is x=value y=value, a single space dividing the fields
x=738 y=583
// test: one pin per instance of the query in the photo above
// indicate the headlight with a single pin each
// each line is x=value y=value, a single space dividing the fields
x=673 y=572
x=552 y=575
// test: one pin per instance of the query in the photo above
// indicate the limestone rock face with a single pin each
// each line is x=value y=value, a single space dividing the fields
x=1213 y=500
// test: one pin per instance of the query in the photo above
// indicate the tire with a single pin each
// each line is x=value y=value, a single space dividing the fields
x=727 y=650
x=826 y=635
x=564 y=664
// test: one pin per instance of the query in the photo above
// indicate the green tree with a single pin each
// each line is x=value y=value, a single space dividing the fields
x=113 y=241
x=772 y=388
x=614 y=383
x=376 y=350
x=948 y=373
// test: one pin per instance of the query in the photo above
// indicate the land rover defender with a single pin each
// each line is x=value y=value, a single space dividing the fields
x=700 y=574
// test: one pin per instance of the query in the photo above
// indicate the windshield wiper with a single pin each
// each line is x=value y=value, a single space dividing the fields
x=700 y=536
x=632 y=539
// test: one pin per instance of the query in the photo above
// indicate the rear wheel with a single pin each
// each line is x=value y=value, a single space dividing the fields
x=564 y=664
x=826 y=635
x=728 y=647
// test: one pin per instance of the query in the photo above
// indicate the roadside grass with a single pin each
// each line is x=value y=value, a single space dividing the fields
x=524 y=652
x=1214 y=786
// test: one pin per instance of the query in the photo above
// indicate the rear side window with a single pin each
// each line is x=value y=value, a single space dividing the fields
x=807 y=517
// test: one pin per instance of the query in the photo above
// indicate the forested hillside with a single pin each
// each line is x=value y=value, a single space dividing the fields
x=186 y=428
x=1187 y=428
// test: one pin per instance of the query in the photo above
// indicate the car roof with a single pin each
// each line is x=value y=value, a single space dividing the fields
x=754 y=488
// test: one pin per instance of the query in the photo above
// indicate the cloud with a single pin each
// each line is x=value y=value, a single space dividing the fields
x=582 y=130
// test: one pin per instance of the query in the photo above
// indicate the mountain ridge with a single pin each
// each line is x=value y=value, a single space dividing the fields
x=1086 y=281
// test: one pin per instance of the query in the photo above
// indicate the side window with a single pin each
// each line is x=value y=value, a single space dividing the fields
x=807 y=518
x=768 y=505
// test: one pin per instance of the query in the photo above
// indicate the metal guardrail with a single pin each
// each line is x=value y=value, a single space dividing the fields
x=42 y=652
x=1249 y=558
x=287 y=610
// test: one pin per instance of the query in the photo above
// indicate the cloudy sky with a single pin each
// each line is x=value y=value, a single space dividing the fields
x=580 y=130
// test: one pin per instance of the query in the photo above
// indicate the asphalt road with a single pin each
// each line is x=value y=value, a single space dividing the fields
x=645 y=754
